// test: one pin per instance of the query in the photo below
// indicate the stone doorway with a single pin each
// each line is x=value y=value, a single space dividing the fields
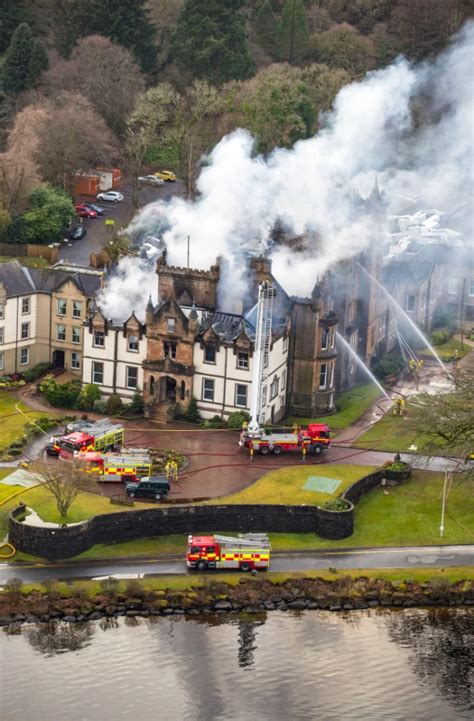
x=167 y=389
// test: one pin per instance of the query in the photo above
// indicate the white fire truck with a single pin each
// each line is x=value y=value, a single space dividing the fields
x=246 y=552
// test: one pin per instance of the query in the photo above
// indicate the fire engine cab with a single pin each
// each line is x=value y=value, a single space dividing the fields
x=314 y=439
x=246 y=552
x=127 y=466
x=95 y=436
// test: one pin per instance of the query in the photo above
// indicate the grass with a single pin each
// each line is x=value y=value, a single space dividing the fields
x=350 y=406
x=286 y=485
x=391 y=434
x=7 y=491
x=453 y=575
x=446 y=350
x=12 y=421
x=403 y=516
x=39 y=262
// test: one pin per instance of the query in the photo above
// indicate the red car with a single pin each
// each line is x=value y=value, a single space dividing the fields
x=84 y=212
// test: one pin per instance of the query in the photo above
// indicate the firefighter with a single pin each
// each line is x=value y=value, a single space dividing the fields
x=398 y=407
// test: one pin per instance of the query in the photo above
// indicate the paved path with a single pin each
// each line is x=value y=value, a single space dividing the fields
x=342 y=558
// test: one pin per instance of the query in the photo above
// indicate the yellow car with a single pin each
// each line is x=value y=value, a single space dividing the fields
x=166 y=175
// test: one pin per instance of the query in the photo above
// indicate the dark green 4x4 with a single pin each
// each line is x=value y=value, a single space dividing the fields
x=155 y=487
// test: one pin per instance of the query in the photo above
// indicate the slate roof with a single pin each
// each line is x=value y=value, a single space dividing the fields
x=227 y=326
x=19 y=280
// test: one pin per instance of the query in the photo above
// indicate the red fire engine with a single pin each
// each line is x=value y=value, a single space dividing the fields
x=127 y=466
x=246 y=552
x=314 y=439
x=96 y=436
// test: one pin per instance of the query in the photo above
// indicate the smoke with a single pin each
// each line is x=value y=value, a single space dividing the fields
x=409 y=125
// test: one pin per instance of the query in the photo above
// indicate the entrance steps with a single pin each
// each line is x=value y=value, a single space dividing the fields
x=159 y=413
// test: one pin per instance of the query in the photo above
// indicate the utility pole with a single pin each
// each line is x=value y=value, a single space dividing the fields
x=447 y=477
x=462 y=311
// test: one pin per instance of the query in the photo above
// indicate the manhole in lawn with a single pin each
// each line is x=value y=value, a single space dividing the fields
x=321 y=484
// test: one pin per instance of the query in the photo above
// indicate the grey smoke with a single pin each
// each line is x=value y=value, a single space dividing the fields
x=313 y=188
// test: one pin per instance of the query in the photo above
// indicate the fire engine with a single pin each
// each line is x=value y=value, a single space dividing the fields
x=246 y=552
x=126 y=466
x=98 y=436
x=313 y=439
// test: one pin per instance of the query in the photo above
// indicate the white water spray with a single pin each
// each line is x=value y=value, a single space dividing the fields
x=362 y=365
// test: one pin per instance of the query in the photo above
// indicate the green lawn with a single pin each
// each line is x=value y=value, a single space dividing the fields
x=7 y=491
x=446 y=350
x=391 y=434
x=11 y=421
x=39 y=262
x=286 y=485
x=350 y=406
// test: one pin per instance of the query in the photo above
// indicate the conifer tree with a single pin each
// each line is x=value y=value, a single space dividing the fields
x=209 y=41
x=293 y=31
x=16 y=67
x=37 y=63
x=265 y=26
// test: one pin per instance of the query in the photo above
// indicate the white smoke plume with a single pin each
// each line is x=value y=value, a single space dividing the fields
x=312 y=188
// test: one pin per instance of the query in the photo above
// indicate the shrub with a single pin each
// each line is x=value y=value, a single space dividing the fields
x=110 y=586
x=89 y=394
x=137 y=405
x=36 y=372
x=215 y=422
x=100 y=406
x=192 y=414
x=396 y=466
x=61 y=395
x=237 y=419
x=390 y=364
x=438 y=337
x=114 y=405
x=176 y=412
x=13 y=586
x=336 y=504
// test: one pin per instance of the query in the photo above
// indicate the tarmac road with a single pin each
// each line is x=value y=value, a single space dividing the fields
x=342 y=558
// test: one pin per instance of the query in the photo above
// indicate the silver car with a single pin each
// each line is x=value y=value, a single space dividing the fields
x=150 y=180
x=112 y=196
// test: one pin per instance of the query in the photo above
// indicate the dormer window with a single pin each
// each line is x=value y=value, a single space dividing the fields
x=171 y=325
x=99 y=339
x=243 y=360
x=209 y=354
x=132 y=343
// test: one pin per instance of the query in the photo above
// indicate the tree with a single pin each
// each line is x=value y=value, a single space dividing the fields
x=65 y=483
x=38 y=62
x=12 y=14
x=447 y=418
x=209 y=41
x=50 y=212
x=87 y=397
x=343 y=47
x=137 y=405
x=104 y=73
x=72 y=137
x=125 y=22
x=16 y=68
x=265 y=26
x=292 y=35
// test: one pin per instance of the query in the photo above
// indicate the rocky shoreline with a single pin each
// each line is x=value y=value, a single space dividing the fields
x=250 y=595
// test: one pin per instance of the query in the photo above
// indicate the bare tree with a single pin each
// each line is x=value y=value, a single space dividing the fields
x=104 y=73
x=19 y=172
x=65 y=481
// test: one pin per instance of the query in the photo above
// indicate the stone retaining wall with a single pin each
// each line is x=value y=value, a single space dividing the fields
x=59 y=543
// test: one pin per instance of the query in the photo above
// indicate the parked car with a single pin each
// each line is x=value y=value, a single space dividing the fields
x=78 y=232
x=111 y=196
x=166 y=175
x=98 y=208
x=150 y=180
x=83 y=211
x=155 y=487
x=52 y=449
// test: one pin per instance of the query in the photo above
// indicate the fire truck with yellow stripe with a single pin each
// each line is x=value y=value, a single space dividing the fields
x=99 y=436
x=246 y=552
x=126 y=467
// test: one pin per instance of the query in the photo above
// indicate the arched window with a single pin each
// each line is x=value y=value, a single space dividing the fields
x=183 y=390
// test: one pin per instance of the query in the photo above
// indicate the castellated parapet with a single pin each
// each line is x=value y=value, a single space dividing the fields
x=188 y=285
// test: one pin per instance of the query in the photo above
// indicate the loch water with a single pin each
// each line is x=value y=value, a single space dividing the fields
x=371 y=665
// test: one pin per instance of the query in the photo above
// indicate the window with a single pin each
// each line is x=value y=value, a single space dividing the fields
x=132 y=377
x=132 y=343
x=171 y=325
x=62 y=307
x=332 y=337
x=452 y=286
x=1 y=361
x=76 y=335
x=25 y=331
x=264 y=396
x=411 y=301
x=283 y=380
x=240 y=395
x=208 y=389
x=285 y=344
x=274 y=387
x=331 y=375
x=99 y=339
x=76 y=308
x=243 y=361
x=98 y=373
x=209 y=354
x=325 y=339
x=2 y=311
x=169 y=350
x=75 y=360
x=24 y=356
x=60 y=332
x=323 y=371
x=2 y=335
x=25 y=305
x=471 y=288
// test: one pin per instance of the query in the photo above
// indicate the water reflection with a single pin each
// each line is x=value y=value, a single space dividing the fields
x=58 y=637
x=440 y=645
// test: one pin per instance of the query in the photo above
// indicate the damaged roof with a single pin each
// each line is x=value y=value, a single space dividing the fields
x=227 y=326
